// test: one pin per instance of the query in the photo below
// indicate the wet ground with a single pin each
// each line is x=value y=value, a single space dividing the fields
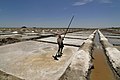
x=25 y=61
x=102 y=70
x=32 y=60
x=5 y=76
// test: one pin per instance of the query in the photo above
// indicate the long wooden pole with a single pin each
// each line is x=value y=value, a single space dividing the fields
x=68 y=26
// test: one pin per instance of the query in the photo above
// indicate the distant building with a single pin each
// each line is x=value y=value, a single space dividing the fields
x=23 y=27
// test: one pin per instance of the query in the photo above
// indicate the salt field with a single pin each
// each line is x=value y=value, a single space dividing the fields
x=59 y=39
x=66 y=41
x=113 y=38
x=29 y=55
x=112 y=55
x=34 y=57
x=24 y=60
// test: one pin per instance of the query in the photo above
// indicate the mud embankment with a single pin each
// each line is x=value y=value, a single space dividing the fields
x=112 y=54
x=8 y=40
x=5 y=76
x=81 y=63
x=102 y=70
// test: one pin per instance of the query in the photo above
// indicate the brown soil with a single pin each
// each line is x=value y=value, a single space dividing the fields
x=101 y=70
x=8 y=40
x=5 y=76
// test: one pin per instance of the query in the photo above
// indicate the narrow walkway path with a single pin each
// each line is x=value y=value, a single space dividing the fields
x=102 y=70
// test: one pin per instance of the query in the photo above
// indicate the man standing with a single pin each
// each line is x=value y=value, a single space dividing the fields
x=60 y=42
x=60 y=47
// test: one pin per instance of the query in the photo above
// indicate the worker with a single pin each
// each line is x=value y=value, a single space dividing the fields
x=60 y=47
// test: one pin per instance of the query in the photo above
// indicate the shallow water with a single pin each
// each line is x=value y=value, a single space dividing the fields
x=102 y=70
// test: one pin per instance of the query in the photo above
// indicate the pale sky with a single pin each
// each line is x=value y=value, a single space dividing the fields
x=57 y=13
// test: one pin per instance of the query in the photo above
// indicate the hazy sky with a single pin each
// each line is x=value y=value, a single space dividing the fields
x=57 y=13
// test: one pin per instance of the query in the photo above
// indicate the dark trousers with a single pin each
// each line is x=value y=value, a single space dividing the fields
x=59 y=52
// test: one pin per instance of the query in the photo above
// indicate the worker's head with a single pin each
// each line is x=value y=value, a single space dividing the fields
x=59 y=36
